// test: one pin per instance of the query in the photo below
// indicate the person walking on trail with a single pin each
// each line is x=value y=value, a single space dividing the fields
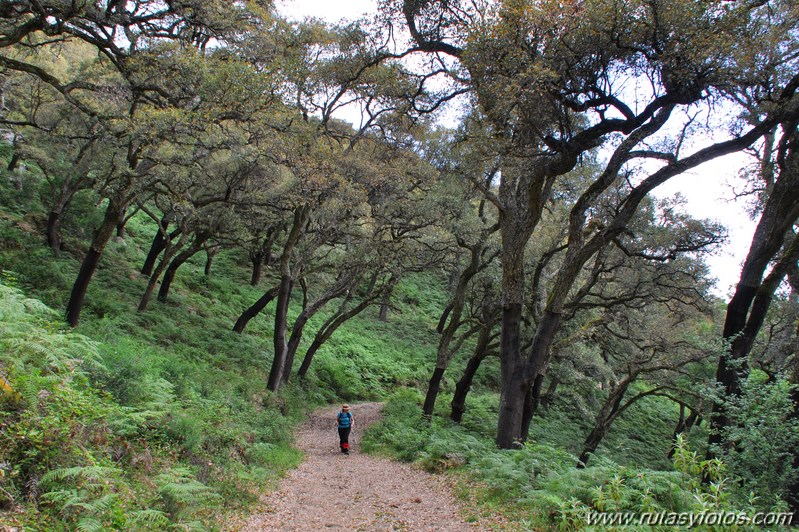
x=344 y=422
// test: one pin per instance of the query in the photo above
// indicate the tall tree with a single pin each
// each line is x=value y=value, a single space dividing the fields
x=774 y=244
x=552 y=82
x=149 y=76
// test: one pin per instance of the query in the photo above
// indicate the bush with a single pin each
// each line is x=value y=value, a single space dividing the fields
x=762 y=441
x=539 y=486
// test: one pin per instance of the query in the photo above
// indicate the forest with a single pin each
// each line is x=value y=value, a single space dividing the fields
x=199 y=245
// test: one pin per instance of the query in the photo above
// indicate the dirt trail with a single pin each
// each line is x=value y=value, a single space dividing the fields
x=331 y=491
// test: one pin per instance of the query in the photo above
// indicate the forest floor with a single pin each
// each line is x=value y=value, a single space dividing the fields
x=330 y=490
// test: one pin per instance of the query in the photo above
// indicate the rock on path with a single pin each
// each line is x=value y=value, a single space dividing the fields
x=332 y=491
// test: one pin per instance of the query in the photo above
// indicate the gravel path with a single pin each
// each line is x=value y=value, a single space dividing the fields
x=332 y=491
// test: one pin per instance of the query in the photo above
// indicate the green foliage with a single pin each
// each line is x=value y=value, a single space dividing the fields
x=18 y=188
x=763 y=438
x=539 y=485
x=206 y=432
x=56 y=437
x=183 y=495
x=34 y=269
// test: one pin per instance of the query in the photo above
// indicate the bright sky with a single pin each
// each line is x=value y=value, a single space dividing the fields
x=706 y=188
x=330 y=10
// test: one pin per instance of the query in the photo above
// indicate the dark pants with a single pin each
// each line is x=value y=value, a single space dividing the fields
x=344 y=437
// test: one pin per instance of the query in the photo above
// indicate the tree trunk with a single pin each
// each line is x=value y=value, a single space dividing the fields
x=159 y=243
x=257 y=268
x=121 y=225
x=732 y=365
x=54 y=231
x=454 y=310
x=549 y=395
x=517 y=221
x=531 y=405
x=741 y=323
x=56 y=215
x=255 y=309
x=518 y=375
x=281 y=323
x=383 y=316
x=432 y=392
x=162 y=264
x=210 y=253
x=684 y=425
x=177 y=262
x=463 y=386
x=793 y=494
x=13 y=162
x=90 y=261
x=326 y=331
x=308 y=312
x=264 y=255
x=442 y=321
x=514 y=386
x=604 y=419
x=678 y=429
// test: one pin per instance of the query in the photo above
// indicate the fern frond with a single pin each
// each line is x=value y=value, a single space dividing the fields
x=155 y=518
x=92 y=473
x=89 y=524
x=104 y=503
x=62 y=498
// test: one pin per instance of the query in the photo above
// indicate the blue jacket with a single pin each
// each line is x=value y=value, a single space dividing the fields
x=344 y=420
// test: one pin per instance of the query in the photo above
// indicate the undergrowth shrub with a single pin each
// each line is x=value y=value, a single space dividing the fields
x=539 y=485
x=56 y=440
x=763 y=437
x=120 y=435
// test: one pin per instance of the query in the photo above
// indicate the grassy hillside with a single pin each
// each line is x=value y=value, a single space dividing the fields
x=162 y=419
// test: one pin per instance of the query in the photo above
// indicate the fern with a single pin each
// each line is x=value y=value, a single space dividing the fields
x=149 y=518
x=90 y=473
x=182 y=493
x=89 y=524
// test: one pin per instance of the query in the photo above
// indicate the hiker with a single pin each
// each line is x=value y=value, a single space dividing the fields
x=344 y=422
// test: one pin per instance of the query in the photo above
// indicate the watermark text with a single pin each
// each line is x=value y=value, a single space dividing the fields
x=689 y=519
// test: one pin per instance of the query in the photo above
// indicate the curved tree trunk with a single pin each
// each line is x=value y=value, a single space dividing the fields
x=281 y=322
x=326 y=331
x=178 y=261
x=158 y=245
x=454 y=311
x=602 y=423
x=463 y=386
x=255 y=309
x=90 y=261
x=442 y=321
x=299 y=324
x=531 y=405
x=746 y=309
x=301 y=216
x=168 y=254
x=433 y=388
